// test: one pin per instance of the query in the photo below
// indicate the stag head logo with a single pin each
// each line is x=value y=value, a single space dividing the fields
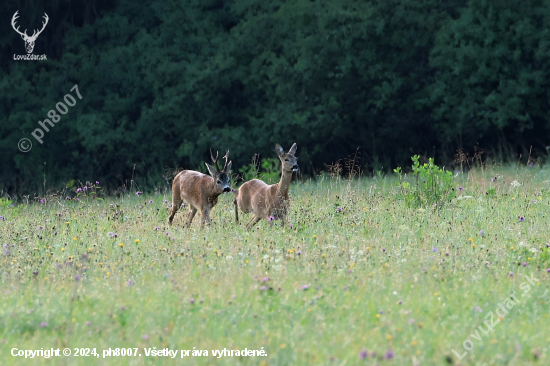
x=29 y=41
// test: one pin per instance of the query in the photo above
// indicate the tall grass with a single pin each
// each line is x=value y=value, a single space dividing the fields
x=358 y=278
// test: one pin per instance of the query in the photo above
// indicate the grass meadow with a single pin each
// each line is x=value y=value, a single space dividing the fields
x=359 y=278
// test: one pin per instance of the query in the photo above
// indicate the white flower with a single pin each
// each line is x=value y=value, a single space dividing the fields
x=229 y=257
x=515 y=183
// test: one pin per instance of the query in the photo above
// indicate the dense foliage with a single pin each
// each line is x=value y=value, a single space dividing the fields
x=163 y=82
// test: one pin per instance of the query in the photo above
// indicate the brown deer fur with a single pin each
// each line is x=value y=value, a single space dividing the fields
x=265 y=200
x=199 y=190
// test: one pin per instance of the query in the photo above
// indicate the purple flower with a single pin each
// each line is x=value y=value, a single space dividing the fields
x=493 y=179
x=548 y=270
x=130 y=282
x=481 y=232
x=150 y=201
x=79 y=190
x=411 y=321
x=123 y=308
x=434 y=249
x=145 y=336
x=165 y=201
x=305 y=287
x=300 y=252
x=233 y=296
x=263 y=288
x=271 y=218
x=383 y=249
x=424 y=269
x=157 y=228
x=55 y=233
x=339 y=209
x=2 y=218
x=192 y=301
x=363 y=354
x=389 y=354
x=530 y=165
x=77 y=278
x=478 y=309
x=521 y=218
x=43 y=324
x=350 y=271
x=40 y=227
x=35 y=272
x=460 y=188
x=140 y=207
x=88 y=323
x=43 y=200
x=96 y=182
x=400 y=302
x=524 y=264
x=139 y=193
x=265 y=279
x=511 y=274
x=85 y=188
x=67 y=198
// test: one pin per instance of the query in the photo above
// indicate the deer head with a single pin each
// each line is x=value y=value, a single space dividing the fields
x=29 y=41
x=221 y=177
x=288 y=159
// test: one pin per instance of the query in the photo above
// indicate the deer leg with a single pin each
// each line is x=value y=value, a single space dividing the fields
x=252 y=222
x=205 y=219
x=192 y=213
x=236 y=211
x=176 y=203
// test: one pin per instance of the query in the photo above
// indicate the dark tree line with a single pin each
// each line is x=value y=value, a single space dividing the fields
x=164 y=81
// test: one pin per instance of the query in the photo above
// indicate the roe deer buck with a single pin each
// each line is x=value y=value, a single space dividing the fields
x=267 y=200
x=199 y=190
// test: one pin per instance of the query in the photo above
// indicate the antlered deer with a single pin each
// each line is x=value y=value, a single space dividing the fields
x=199 y=190
x=264 y=200
x=29 y=41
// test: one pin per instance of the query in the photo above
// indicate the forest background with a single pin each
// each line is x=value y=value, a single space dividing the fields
x=162 y=82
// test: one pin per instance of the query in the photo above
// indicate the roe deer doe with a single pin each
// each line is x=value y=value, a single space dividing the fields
x=267 y=200
x=199 y=190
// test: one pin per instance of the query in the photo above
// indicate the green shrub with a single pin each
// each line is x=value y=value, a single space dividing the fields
x=271 y=170
x=431 y=186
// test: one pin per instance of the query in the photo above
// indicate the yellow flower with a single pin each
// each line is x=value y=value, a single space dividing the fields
x=389 y=337
x=528 y=259
x=108 y=274
x=435 y=293
x=283 y=346
x=378 y=315
x=121 y=245
x=247 y=261
x=471 y=240
x=314 y=236
x=74 y=320
x=137 y=240
x=68 y=222
x=75 y=238
x=414 y=343
x=62 y=249
x=473 y=246
x=512 y=248
x=493 y=341
x=368 y=248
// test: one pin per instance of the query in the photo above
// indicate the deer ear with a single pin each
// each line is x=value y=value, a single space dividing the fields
x=211 y=170
x=292 y=150
x=279 y=150
x=228 y=168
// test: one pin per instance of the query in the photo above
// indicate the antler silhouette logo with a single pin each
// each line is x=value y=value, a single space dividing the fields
x=29 y=41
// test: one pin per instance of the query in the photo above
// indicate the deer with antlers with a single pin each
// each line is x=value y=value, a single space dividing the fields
x=29 y=41
x=199 y=190
x=267 y=201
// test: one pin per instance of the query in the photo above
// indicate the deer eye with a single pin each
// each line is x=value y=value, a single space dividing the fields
x=286 y=159
x=219 y=182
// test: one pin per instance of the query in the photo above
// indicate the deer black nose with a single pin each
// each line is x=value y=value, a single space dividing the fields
x=295 y=167
x=227 y=189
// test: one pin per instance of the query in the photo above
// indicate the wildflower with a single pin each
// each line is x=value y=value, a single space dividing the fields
x=2 y=218
x=460 y=189
x=511 y=274
x=424 y=269
x=271 y=218
x=548 y=270
x=304 y=287
x=471 y=240
x=299 y=252
x=434 y=249
x=192 y=301
x=130 y=282
x=55 y=233
x=85 y=188
x=96 y=182
x=67 y=198
x=363 y=354
x=77 y=278
x=481 y=232
x=521 y=218
x=389 y=355
x=339 y=209
x=265 y=279
x=493 y=179
x=42 y=200
x=263 y=288
x=137 y=240
x=88 y=323
x=165 y=201
x=79 y=190
x=478 y=309
x=524 y=264
x=43 y=324
x=150 y=201
x=383 y=249
x=400 y=302
x=411 y=321
x=139 y=193
x=157 y=228
x=145 y=336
